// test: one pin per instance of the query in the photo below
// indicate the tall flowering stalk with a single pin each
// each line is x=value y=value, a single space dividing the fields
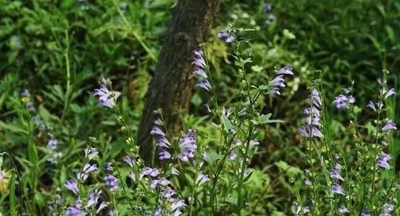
x=351 y=187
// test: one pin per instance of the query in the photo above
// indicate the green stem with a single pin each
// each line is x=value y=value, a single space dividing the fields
x=138 y=38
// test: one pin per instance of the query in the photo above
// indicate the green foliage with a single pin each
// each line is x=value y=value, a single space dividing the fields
x=59 y=48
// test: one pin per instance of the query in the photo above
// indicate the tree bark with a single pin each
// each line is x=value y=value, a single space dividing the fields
x=171 y=86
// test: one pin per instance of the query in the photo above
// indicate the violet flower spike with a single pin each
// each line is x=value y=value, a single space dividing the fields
x=157 y=131
x=335 y=175
x=372 y=106
x=307 y=182
x=90 y=153
x=72 y=186
x=112 y=182
x=390 y=93
x=341 y=101
x=129 y=161
x=108 y=167
x=205 y=84
x=106 y=98
x=226 y=36
x=337 y=189
x=390 y=125
x=285 y=71
x=93 y=198
x=201 y=179
x=278 y=82
x=164 y=155
x=343 y=210
x=383 y=161
x=102 y=206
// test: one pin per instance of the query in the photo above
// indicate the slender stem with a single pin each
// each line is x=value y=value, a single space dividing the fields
x=138 y=38
x=123 y=186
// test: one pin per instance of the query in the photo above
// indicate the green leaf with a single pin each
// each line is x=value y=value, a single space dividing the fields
x=196 y=100
x=213 y=156
x=13 y=199
x=12 y=127
x=227 y=125
x=265 y=119
x=263 y=87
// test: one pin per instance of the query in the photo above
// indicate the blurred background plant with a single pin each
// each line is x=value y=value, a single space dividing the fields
x=58 y=48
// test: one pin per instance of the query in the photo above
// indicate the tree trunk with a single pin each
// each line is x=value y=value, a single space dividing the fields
x=172 y=83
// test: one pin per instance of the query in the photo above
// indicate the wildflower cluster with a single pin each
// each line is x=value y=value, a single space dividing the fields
x=87 y=201
x=52 y=143
x=349 y=186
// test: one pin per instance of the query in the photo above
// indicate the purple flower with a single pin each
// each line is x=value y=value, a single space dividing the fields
x=278 y=82
x=304 y=132
x=335 y=175
x=226 y=36
x=306 y=210
x=74 y=211
x=132 y=175
x=164 y=155
x=89 y=168
x=267 y=7
x=157 y=212
x=154 y=184
x=198 y=60
x=201 y=179
x=147 y=171
x=168 y=193
x=175 y=171
x=30 y=107
x=106 y=97
x=337 y=189
x=232 y=156
x=52 y=144
x=316 y=98
x=25 y=93
x=72 y=186
x=102 y=206
x=366 y=213
x=307 y=182
x=200 y=72
x=164 y=182
x=108 y=167
x=351 y=99
x=187 y=145
x=129 y=161
x=285 y=71
x=254 y=143
x=390 y=93
x=341 y=101
x=270 y=19
x=274 y=91
x=111 y=181
x=199 y=63
x=157 y=131
x=207 y=107
x=316 y=133
x=93 y=198
x=163 y=142
x=383 y=160
x=204 y=84
x=371 y=105
x=177 y=204
x=158 y=122
x=343 y=210
x=390 y=125
x=337 y=166
x=90 y=153
x=82 y=176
